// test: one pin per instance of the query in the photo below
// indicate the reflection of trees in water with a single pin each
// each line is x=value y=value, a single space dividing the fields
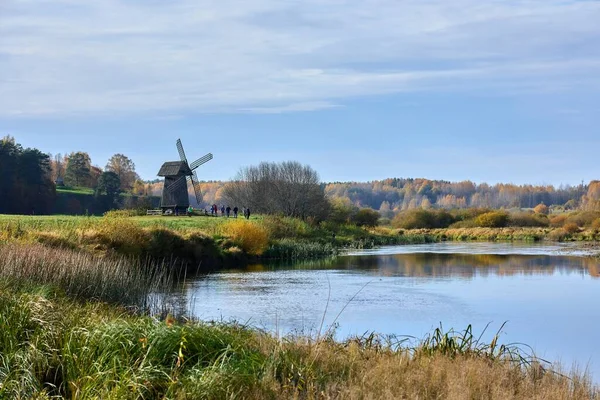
x=469 y=265
x=433 y=265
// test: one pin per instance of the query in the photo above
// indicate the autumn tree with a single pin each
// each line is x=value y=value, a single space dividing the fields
x=95 y=173
x=125 y=170
x=58 y=165
x=541 y=209
x=78 y=170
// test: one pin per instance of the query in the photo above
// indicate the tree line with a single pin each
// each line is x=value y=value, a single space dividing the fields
x=29 y=178
x=391 y=196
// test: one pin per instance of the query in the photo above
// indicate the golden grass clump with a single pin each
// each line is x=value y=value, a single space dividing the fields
x=250 y=237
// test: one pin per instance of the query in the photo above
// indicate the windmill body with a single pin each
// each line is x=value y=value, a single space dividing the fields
x=177 y=174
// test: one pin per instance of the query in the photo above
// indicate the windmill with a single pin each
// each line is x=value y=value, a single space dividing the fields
x=177 y=174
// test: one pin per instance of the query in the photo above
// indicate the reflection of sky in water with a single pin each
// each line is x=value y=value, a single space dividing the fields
x=549 y=301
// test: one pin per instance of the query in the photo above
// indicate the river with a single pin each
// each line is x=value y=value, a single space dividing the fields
x=548 y=295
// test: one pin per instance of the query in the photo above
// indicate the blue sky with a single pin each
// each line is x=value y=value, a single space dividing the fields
x=487 y=90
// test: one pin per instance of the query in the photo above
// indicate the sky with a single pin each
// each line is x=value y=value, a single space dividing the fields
x=485 y=90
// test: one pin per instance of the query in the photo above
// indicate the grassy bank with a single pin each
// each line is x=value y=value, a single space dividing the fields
x=53 y=346
x=208 y=242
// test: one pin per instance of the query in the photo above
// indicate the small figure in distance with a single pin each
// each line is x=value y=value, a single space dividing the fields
x=247 y=213
x=190 y=211
x=176 y=211
x=228 y=210
x=235 y=211
x=222 y=210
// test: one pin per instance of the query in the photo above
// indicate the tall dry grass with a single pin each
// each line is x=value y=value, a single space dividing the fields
x=83 y=275
x=250 y=237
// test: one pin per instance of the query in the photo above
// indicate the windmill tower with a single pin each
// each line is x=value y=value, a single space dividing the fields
x=177 y=174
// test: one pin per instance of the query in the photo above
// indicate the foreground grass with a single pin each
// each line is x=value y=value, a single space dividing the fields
x=51 y=346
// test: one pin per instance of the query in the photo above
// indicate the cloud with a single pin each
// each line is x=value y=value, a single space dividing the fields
x=65 y=57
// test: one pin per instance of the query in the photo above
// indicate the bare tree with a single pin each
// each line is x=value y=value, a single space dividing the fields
x=287 y=188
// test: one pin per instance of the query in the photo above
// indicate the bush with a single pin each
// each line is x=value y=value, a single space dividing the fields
x=571 y=228
x=541 y=209
x=417 y=219
x=558 y=220
x=365 y=217
x=528 y=220
x=279 y=227
x=583 y=218
x=494 y=219
x=252 y=238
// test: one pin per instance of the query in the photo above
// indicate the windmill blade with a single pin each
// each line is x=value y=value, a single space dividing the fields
x=181 y=152
x=200 y=161
x=177 y=184
x=196 y=186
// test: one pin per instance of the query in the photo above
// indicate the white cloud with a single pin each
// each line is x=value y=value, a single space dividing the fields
x=66 y=57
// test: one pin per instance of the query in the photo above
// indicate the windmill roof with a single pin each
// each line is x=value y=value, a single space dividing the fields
x=173 y=168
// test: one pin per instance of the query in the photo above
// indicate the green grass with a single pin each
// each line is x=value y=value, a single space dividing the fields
x=78 y=190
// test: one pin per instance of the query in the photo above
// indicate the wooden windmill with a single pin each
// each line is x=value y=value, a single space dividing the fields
x=177 y=174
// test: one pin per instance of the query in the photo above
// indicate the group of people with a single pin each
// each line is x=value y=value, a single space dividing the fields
x=226 y=211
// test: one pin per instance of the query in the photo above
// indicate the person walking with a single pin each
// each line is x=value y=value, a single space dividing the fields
x=222 y=210
x=247 y=213
x=235 y=211
x=190 y=211
x=228 y=210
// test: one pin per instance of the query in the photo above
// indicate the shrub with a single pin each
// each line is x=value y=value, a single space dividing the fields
x=494 y=219
x=252 y=238
x=366 y=217
x=416 y=219
x=279 y=227
x=571 y=228
x=583 y=218
x=558 y=220
x=541 y=209
x=596 y=224
x=528 y=220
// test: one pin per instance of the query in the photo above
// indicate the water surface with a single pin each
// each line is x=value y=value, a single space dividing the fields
x=548 y=296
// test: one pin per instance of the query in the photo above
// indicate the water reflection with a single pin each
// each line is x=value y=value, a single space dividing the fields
x=444 y=265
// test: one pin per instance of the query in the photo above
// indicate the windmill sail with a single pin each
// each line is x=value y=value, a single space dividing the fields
x=200 y=161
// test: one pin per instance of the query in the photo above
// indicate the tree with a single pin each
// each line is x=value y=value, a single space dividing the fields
x=109 y=183
x=95 y=173
x=25 y=179
x=58 y=164
x=125 y=169
x=366 y=217
x=287 y=188
x=78 y=169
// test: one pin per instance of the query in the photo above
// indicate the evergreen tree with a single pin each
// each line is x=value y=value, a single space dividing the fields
x=78 y=170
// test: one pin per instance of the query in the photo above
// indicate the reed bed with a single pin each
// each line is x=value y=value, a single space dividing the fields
x=53 y=347
x=82 y=275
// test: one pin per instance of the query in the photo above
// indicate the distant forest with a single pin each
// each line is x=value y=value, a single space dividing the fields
x=390 y=196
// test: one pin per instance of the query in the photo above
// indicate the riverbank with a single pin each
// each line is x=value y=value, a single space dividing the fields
x=203 y=243
x=54 y=346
